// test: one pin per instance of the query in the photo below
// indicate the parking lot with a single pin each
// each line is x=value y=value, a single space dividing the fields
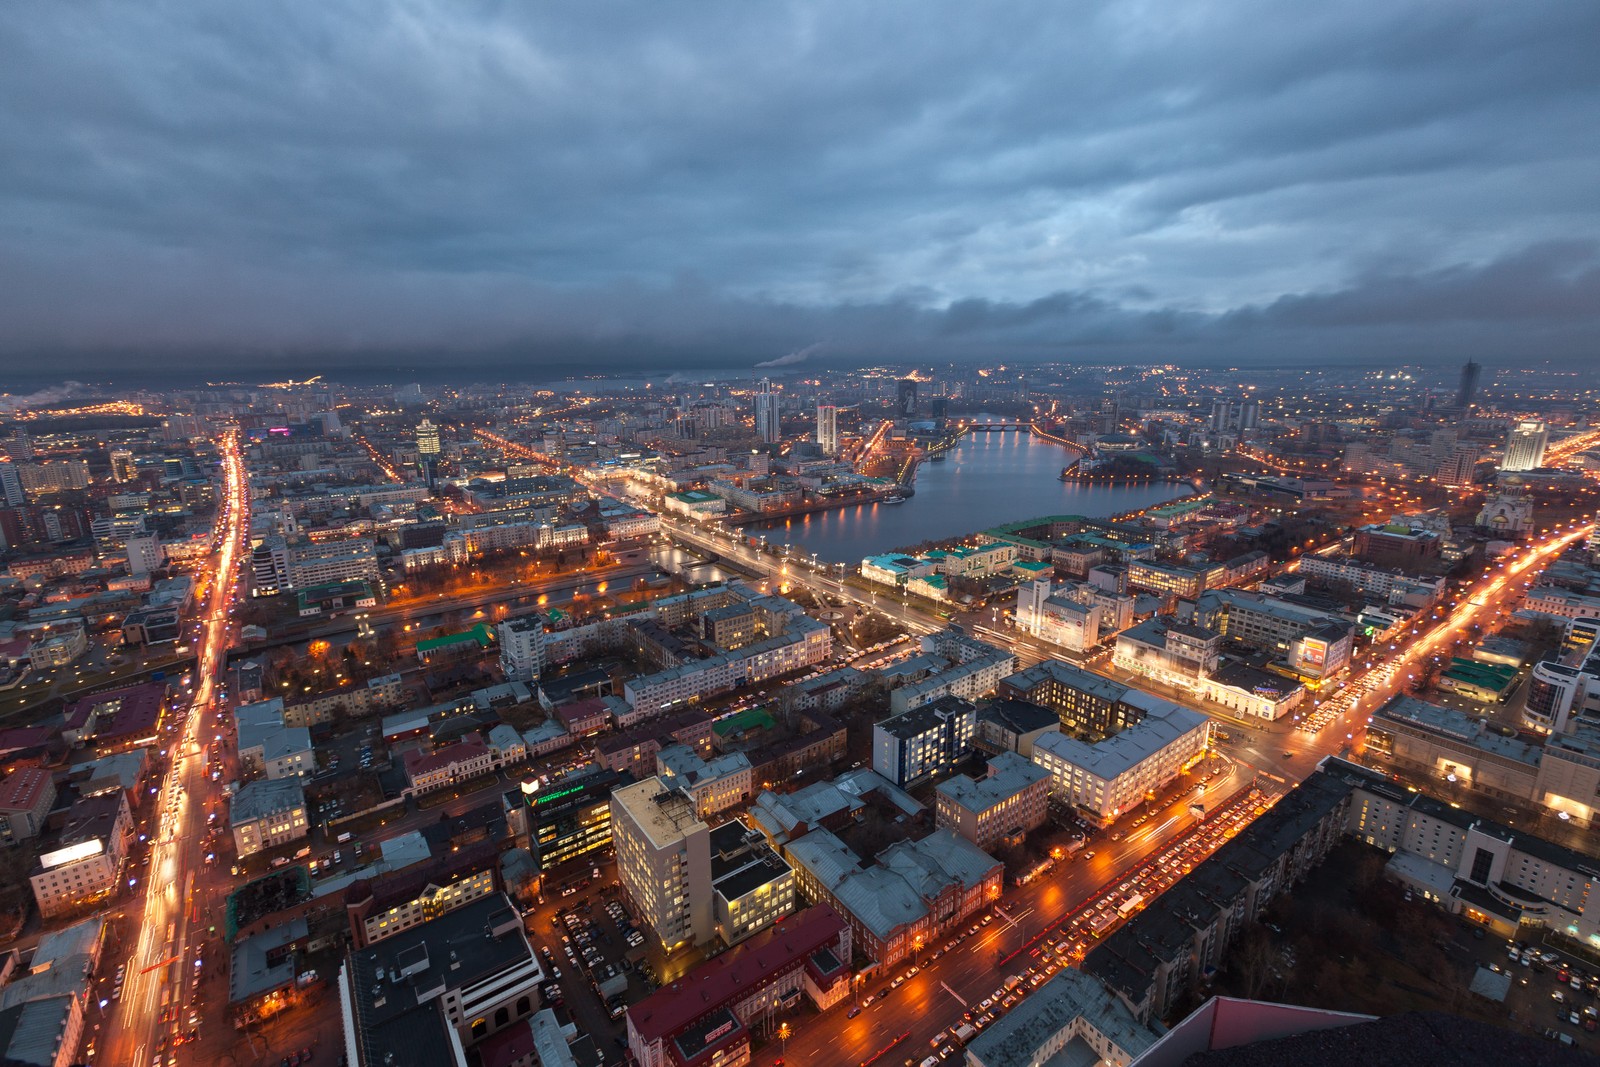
x=596 y=956
x=1552 y=993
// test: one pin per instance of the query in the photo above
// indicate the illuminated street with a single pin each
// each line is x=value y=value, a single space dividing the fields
x=175 y=919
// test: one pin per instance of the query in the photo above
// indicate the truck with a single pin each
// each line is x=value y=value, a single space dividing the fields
x=964 y=1033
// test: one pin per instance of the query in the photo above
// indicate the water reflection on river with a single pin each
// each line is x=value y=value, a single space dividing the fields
x=986 y=480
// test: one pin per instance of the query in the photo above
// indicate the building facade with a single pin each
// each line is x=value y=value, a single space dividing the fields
x=663 y=854
x=999 y=808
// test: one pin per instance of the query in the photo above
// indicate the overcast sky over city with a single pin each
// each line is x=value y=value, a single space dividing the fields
x=702 y=184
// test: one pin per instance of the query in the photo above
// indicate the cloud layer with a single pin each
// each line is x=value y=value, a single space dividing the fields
x=685 y=185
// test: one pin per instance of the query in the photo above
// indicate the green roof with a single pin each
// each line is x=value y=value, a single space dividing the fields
x=750 y=719
x=479 y=633
x=1492 y=677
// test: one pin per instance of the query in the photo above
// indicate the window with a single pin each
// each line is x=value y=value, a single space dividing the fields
x=1481 y=863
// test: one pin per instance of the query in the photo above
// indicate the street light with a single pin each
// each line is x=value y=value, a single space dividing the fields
x=783 y=1037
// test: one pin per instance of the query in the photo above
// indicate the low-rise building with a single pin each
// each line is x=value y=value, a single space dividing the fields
x=396 y=901
x=427 y=994
x=911 y=896
x=269 y=748
x=694 y=504
x=969 y=669
x=45 y=1031
x=1454 y=747
x=1058 y=618
x=379 y=694
x=1313 y=645
x=999 y=808
x=1085 y=703
x=1380 y=583
x=449 y=765
x=1561 y=603
x=81 y=859
x=712 y=1015
x=752 y=884
x=1109 y=778
x=1073 y=1018
x=267 y=813
x=714 y=785
x=26 y=796
x=1166 y=579
x=1154 y=961
x=117 y=720
x=1007 y=725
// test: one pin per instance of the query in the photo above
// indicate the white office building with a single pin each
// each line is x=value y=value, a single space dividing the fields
x=1112 y=776
x=1525 y=446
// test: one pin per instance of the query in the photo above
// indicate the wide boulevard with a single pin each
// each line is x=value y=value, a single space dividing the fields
x=172 y=917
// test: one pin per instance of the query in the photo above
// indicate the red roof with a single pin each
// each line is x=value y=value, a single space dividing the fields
x=582 y=711
x=736 y=974
x=23 y=789
x=420 y=762
x=508 y=1046
x=136 y=713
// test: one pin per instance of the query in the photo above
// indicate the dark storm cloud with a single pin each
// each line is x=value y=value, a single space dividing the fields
x=731 y=183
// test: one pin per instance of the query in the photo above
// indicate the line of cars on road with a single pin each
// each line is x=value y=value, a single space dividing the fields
x=1069 y=942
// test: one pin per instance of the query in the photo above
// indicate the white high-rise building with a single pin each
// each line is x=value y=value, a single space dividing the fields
x=144 y=554
x=663 y=853
x=828 y=429
x=766 y=408
x=1525 y=446
x=11 y=486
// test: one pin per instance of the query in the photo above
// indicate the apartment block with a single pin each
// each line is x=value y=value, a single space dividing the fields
x=924 y=741
x=429 y=993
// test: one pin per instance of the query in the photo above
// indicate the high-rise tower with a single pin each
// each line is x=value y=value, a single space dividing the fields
x=905 y=397
x=766 y=411
x=828 y=429
x=1470 y=373
x=427 y=447
x=1525 y=446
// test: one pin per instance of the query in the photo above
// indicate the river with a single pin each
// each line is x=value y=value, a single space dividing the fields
x=987 y=479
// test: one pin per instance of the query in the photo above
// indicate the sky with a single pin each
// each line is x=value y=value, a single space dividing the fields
x=250 y=188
